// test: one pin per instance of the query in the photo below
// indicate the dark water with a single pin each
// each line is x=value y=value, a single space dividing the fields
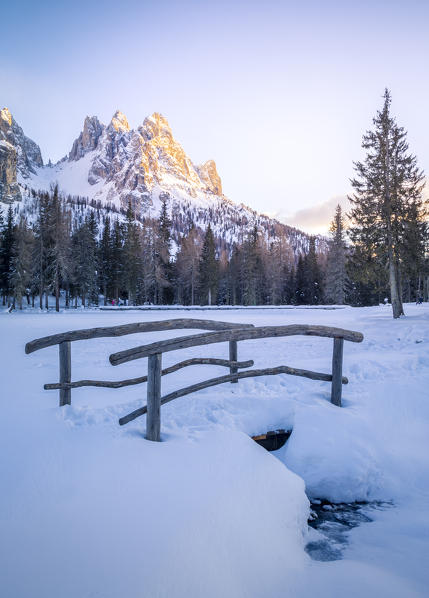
x=335 y=521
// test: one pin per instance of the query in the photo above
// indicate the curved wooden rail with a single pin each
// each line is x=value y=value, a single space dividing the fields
x=219 y=332
x=281 y=369
x=208 y=338
x=131 y=381
x=134 y=328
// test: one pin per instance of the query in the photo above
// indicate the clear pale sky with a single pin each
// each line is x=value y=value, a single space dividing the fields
x=277 y=93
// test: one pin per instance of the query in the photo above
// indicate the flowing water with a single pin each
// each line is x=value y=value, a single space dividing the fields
x=334 y=522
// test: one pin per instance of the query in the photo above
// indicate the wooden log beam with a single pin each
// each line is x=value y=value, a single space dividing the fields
x=65 y=372
x=337 y=371
x=141 y=379
x=207 y=338
x=282 y=369
x=153 y=420
x=134 y=328
x=233 y=352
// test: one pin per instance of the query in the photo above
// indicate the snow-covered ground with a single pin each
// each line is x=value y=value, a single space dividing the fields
x=91 y=509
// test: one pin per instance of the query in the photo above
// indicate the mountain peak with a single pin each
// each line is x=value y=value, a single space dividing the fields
x=155 y=125
x=88 y=139
x=6 y=116
x=210 y=177
x=119 y=122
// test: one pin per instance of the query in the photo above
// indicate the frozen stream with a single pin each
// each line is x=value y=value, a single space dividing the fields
x=333 y=522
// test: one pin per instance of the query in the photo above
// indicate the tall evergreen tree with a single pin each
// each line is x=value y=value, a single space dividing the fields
x=21 y=262
x=58 y=251
x=105 y=260
x=85 y=259
x=313 y=286
x=208 y=269
x=387 y=182
x=40 y=248
x=336 y=277
x=163 y=254
x=187 y=264
x=6 y=247
x=132 y=257
x=117 y=265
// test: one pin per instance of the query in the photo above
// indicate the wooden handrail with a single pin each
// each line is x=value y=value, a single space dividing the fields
x=281 y=369
x=207 y=338
x=219 y=332
x=132 y=381
x=134 y=328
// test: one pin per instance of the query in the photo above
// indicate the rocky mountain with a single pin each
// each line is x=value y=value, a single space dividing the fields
x=114 y=165
x=19 y=155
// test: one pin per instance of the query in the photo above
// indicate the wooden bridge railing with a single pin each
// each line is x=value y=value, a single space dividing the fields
x=154 y=353
x=219 y=332
x=64 y=340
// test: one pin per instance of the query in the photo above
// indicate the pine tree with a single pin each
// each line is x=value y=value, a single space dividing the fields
x=163 y=254
x=187 y=264
x=117 y=265
x=85 y=259
x=208 y=269
x=253 y=274
x=6 y=256
x=387 y=182
x=39 y=278
x=21 y=262
x=59 y=250
x=313 y=286
x=336 y=278
x=415 y=246
x=105 y=260
x=132 y=257
x=300 y=282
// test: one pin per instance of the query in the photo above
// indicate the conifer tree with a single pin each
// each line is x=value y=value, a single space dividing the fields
x=40 y=246
x=208 y=269
x=58 y=251
x=85 y=259
x=105 y=260
x=163 y=254
x=117 y=266
x=21 y=262
x=6 y=256
x=336 y=278
x=132 y=257
x=387 y=182
x=300 y=282
x=252 y=275
x=313 y=288
x=187 y=264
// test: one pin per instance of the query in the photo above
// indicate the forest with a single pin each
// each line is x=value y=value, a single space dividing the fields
x=90 y=255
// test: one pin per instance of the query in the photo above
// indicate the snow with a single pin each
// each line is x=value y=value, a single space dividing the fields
x=92 y=509
x=71 y=176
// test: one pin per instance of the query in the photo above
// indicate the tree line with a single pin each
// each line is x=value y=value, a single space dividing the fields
x=382 y=253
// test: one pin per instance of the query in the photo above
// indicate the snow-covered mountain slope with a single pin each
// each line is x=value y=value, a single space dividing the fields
x=115 y=165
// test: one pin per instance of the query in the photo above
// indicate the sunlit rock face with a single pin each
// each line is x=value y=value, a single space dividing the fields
x=9 y=189
x=208 y=174
x=19 y=155
x=129 y=165
x=88 y=139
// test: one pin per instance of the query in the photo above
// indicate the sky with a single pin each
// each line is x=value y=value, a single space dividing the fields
x=278 y=93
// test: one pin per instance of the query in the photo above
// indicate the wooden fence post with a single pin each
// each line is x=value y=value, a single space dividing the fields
x=337 y=371
x=65 y=372
x=233 y=356
x=153 y=419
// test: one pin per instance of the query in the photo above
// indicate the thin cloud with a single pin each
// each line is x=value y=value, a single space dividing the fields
x=317 y=218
